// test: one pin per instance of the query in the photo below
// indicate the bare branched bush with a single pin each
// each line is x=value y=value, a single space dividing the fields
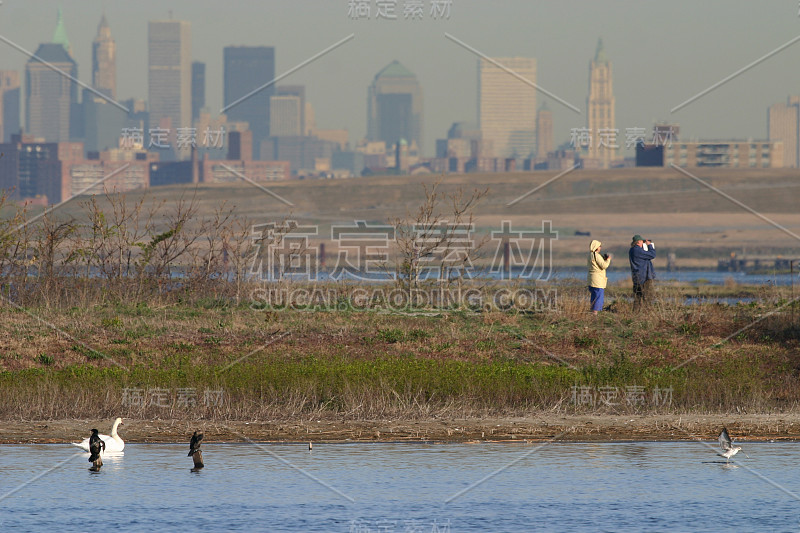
x=435 y=242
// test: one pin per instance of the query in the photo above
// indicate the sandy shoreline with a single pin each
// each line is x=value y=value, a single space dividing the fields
x=599 y=428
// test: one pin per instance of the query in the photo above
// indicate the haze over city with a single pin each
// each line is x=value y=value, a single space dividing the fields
x=662 y=54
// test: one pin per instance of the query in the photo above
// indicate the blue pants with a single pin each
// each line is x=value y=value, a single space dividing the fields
x=596 y=298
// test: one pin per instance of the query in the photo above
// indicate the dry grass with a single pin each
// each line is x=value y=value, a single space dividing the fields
x=364 y=364
x=91 y=308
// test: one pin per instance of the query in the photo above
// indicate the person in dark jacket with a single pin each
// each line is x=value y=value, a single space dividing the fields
x=641 y=256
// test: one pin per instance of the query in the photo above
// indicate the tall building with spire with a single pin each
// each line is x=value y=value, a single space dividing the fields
x=507 y=105
x=394 y=107
x=102 y=121
x=51 y=99
x=104 y=60
x=600 y=110
x=544 y=131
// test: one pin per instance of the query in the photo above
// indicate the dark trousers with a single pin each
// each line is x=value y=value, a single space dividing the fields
x=642 y=294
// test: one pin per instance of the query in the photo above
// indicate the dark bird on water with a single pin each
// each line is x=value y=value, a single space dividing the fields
x=194 y=444
x=96 y=444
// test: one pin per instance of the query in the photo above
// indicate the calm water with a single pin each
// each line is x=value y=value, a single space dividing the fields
x=692 y=276
x=623 y=273
x=404 y=487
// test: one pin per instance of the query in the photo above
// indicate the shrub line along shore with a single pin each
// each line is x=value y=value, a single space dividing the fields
x=543 y=428
x=289 y=375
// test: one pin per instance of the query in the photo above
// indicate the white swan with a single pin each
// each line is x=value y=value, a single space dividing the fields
x=113 y=442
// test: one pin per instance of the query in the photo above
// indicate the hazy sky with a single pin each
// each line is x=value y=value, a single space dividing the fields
x=662 y=53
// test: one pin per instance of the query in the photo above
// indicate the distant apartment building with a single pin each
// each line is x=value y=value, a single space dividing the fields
x=9 y=104
x=240 y=164
x=600 y=109
x=298 y=91
x=101 y=176
x=58 y=171
x=247 y=69
x=713 y=154
x=240 y=145
x=453 y=153
x=310 y=124
x=727 y=154
x=507 y=105
x=783 y=124
x=170 y=76
x=394 y=106
x=231 y=171
x=172 y=172
x=448 y=148
x=303 y=153
x=340 y=137
x=286 y=116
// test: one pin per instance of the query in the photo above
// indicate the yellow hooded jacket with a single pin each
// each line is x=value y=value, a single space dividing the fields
x=597 y=266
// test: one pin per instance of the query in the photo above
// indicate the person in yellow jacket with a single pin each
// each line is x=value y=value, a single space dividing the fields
x=598 y=263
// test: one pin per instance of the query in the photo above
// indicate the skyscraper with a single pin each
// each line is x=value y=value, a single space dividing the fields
x=544 y=131
x=170 y=74
x=198 y=88
x=300 y=92
x=248 y=68
x=285 y=115
x=102 y=121
x=50 y=97
x=394 y=106
x=9 y=104
x=104 y=60
x=783 y=124
x=507 y=105
x=600 y=110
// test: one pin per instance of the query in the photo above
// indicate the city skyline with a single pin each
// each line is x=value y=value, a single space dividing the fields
x=651 y=70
